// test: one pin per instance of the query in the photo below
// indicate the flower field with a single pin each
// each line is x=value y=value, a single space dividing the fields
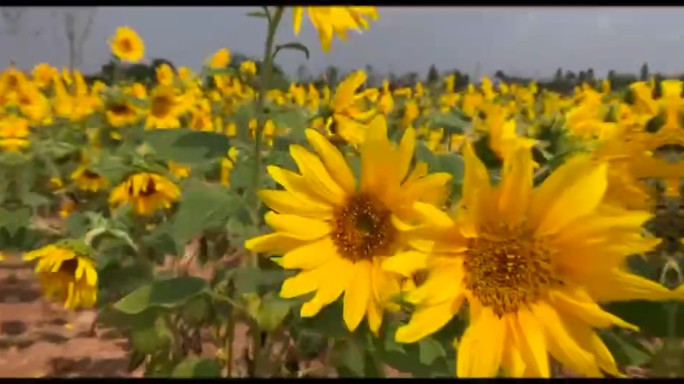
x=436 y=230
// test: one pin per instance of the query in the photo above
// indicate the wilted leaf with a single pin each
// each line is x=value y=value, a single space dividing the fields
x=293 y=45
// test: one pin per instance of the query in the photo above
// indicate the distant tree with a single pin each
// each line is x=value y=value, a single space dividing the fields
x=570 y=76
x=303 y=74
x=559 y=75
x=643 y=73
x=582 y=77
x=432 y=75
x=371 y=76
x=412 y=78
x=77 y=25
x=611 y=75
x=500 y=75
x=590 y=74
x=332 y=74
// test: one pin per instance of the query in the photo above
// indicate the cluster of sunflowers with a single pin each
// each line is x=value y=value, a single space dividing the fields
x=515 y=208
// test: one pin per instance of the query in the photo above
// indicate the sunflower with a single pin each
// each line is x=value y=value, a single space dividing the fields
x=66 y=273
x=178 y=170
x=88 y=180
x=43 y=74
x=338 y=231
x=127 y=45
x=121 y=113
x=220 y=59
x=339 y=20
x=164 y=108
x=14 y=132
x=349 y=118
x=532 y=265
x=148 y=192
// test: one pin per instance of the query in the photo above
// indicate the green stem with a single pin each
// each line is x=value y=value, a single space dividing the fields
x=264 y=82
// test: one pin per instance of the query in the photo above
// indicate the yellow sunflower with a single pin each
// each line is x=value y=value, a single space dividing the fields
x=338 y=231
x=178 y=170
x=164 y=108
x=349 y=117
x=532 y=265
x=67 y=274
x=127 y=45
x=121 y=113
x=339 y=20
x=14 y=132
x=148 y=192
x=220 y=59
x=88 y=180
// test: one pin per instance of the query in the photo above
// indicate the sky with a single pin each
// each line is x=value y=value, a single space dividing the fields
x=524 y=41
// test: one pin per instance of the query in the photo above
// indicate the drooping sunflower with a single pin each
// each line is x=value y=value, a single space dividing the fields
x=147 y=192
x=339 y=20
x=127 y=45
x=164 y=108
x=88 y=180
x=66 y=273
x=532 y=264
x=338 y=230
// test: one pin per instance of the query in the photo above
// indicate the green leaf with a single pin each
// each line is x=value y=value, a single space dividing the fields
x=196 y=310
x=625 y=349
x=12 y=220
x=272 y=311
x=430 y=350
x=151 y=339
x=167 y=293
x=203 y=206
x=651 y=317
x=136 y=360
x=186 y=146
x=197 y=367
x=34 y=200
x=293 y=45
x=77 y=224
x=250 y=280
x=350 y=357
x=116 y=280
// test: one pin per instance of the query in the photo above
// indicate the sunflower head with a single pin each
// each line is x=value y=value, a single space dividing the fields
x=89 y=180
x=147 y=192
x=127 y=45
x=14 y=133
x=121 y=113
x=338 y=229
x=532 y=264
x=67 y=273
x=220 y=59
x=165 y=106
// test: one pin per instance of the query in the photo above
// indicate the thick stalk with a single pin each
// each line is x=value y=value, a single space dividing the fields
x=264 y=82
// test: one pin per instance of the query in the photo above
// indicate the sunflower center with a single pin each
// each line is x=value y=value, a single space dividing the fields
x=362 y=228
x=507 y=269
x=69 y=267
x=161 y=106
x=148 y=189
x=90 y=175
x=126 y=45
x=120 y=109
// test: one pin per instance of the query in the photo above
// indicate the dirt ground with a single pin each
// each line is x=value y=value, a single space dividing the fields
x=38 y=339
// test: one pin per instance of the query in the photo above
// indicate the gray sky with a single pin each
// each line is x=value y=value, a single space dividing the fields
x=520 y=40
